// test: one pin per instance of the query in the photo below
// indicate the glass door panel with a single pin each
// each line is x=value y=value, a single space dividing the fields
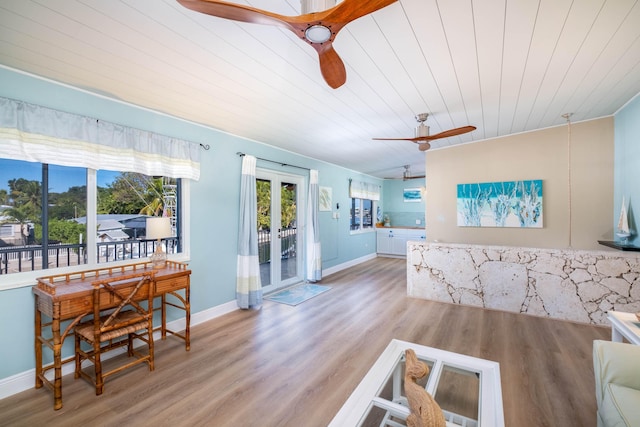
x=263 y=190
x=278 y=237
x=288 y=231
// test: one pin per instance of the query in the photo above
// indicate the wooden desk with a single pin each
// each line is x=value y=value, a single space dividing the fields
x=68 y=297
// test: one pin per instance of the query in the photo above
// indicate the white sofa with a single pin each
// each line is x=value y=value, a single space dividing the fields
x=617 y=373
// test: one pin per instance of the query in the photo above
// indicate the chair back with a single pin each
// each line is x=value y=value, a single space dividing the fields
x=122 y=297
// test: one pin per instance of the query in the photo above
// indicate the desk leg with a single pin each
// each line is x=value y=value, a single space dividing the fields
x=187 y=309
x=163 y=328
x=57 y=359
x=38 y=344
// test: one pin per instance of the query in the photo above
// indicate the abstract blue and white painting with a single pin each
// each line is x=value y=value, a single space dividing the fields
x=412 y=195
x=500 y=204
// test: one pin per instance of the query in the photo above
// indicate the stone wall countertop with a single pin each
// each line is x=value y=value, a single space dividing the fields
x=575 y=285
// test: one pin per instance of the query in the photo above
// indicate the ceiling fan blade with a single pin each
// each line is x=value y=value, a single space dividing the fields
x=331 y=66
x=399 y=139
x=405 y=178
x=424 y=146
x=448 y=133
x=350 y=10
x=235 y=12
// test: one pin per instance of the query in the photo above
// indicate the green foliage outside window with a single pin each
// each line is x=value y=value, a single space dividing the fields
x=130 y=193
x=288 y=206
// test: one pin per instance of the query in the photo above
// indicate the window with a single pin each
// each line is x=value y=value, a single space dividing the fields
x=364 y=197
x=46 y=210
x=361 y=214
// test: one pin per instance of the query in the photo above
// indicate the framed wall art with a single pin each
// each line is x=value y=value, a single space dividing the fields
x=324 y=199
x=500 y=204
x=412 y=195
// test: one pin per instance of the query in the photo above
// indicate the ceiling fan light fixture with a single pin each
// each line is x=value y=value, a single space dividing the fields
x=317 y=34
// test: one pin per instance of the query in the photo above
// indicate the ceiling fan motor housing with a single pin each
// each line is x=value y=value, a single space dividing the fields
x=311 y=6
x=422 y=130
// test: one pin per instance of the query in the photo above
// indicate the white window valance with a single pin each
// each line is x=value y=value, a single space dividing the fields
x=39 y=134
x=363 y=190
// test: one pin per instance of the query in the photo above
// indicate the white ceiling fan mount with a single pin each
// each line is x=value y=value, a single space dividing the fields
x=422 y=130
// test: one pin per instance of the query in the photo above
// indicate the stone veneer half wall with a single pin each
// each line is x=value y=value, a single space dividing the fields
x=575 y=285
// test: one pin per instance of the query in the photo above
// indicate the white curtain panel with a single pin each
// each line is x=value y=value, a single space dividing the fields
x=248 y=286
x=39 y=134
x=312 y=238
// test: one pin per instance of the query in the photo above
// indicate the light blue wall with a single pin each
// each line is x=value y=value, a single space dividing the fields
x=401 y=213
x=627 y=165
x=214 y=207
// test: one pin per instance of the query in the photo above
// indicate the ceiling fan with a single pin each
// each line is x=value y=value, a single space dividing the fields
x=422 y=133
x=318 y=29
x=406 y=175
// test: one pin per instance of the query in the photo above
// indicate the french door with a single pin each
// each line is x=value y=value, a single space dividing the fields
x=280 y=197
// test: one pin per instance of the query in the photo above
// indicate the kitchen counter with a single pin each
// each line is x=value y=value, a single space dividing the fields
x=401 y=227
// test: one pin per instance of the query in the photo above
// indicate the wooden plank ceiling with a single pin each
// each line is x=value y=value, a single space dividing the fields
x=504 y=66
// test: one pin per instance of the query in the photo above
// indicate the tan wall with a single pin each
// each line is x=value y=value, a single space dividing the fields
x=535 y=155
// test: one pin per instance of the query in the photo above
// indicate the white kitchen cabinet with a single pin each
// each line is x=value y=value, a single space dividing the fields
x=393 y=241
x=383 y=241
x=416 y=235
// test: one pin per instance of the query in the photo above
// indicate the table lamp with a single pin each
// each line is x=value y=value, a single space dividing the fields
x=158 y=228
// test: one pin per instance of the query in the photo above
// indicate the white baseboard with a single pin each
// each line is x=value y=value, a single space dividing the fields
x=211 y=313
x=348 y=264
x=26 y=380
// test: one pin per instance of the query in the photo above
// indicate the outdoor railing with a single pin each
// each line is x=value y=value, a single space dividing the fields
x=288 y=244
x=17 y=259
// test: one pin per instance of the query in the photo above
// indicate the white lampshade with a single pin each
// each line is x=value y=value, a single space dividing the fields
x=158 y=227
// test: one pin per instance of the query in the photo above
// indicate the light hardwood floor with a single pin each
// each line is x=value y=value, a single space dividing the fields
x=295 y=366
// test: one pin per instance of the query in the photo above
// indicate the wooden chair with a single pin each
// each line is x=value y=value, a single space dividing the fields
x=119 y=317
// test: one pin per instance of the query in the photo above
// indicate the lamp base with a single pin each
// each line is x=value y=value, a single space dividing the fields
x=159 y=258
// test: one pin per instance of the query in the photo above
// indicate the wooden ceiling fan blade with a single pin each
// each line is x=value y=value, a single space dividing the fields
x=236 y=12
x=451 y=132
x=397 y=139
x=331 y=66
x=350 y=10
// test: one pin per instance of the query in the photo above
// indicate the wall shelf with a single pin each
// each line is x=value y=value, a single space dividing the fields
x=620 y=246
